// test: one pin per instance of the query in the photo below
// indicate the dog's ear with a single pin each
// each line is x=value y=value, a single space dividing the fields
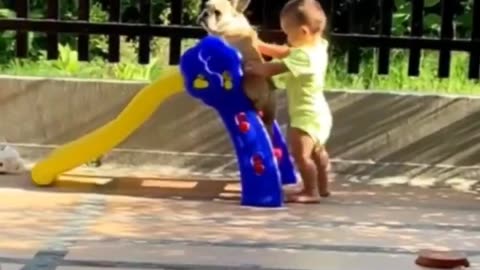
x=241 y=5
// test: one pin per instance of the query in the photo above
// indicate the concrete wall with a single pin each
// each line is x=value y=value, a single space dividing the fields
x=38 y=114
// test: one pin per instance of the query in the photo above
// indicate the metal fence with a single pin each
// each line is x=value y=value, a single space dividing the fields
x=342 y=14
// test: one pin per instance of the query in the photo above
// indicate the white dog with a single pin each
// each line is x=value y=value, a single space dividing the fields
x=10 y=160
x=225 y=18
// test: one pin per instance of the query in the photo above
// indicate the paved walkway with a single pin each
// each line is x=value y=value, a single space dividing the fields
x=141 y=222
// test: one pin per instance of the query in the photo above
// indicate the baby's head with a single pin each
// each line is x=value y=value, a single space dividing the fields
x=303 y=21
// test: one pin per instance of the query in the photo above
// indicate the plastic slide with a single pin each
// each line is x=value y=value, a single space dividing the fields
x=105 y=138
x=212 y=72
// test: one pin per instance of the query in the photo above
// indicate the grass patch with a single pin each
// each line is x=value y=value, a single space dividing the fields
x=398 y=79
x=337 y=78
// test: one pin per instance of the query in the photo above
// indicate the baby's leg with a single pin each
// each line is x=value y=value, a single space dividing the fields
x=322 y=161
x=320 y=157
x=302 y=146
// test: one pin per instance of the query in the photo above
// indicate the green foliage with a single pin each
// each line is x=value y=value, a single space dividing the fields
x=68 y=65
x=432 y=18
x=398 y=79
x=98 y=43
x=127 y=69
x=68 y=11
x=431 y=3
x=401 y=17
x=337 y=77
x=67 y=60
x=7 y=38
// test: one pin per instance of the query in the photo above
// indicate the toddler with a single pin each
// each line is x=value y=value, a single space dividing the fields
x=300 y=69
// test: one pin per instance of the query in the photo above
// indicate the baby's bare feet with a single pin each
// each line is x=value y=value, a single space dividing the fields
x=292 y=189
x=303 y=197
x=325 y=194
x=298 y=189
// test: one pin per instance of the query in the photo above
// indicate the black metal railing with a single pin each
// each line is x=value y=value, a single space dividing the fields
x=264 y=13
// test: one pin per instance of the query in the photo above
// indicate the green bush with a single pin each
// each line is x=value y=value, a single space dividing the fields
x=432 y=20
x=68 y=11
x=128 y=68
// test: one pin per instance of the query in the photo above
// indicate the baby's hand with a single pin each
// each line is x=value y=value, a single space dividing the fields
x=273 y=50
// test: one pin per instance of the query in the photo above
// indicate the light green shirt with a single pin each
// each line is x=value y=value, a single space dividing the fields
x=304 y=83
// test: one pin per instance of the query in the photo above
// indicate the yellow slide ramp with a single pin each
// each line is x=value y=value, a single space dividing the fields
x=105 y=138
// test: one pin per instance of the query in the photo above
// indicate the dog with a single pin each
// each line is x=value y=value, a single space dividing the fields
x=226 y=19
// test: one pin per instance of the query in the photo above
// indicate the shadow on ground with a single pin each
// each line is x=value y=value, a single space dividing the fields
x=347 y=191
x=149 y=187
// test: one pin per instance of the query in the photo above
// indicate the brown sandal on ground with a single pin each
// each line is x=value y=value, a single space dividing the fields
x=442 y=259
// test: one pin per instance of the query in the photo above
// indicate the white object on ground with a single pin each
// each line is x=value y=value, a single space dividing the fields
x=10 y=160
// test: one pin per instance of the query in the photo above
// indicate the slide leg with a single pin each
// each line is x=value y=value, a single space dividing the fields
x=259 y=174
x=285 y=162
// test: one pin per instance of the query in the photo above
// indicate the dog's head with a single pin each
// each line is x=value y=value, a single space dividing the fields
x=225 y=17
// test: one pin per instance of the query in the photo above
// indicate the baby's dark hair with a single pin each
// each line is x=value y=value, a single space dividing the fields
x=306 y=12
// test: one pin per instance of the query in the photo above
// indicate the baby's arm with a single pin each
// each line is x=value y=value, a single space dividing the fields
x=273 y=50
x=266 y=69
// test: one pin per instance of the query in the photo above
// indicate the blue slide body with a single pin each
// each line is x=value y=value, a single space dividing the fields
x=212 y=72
